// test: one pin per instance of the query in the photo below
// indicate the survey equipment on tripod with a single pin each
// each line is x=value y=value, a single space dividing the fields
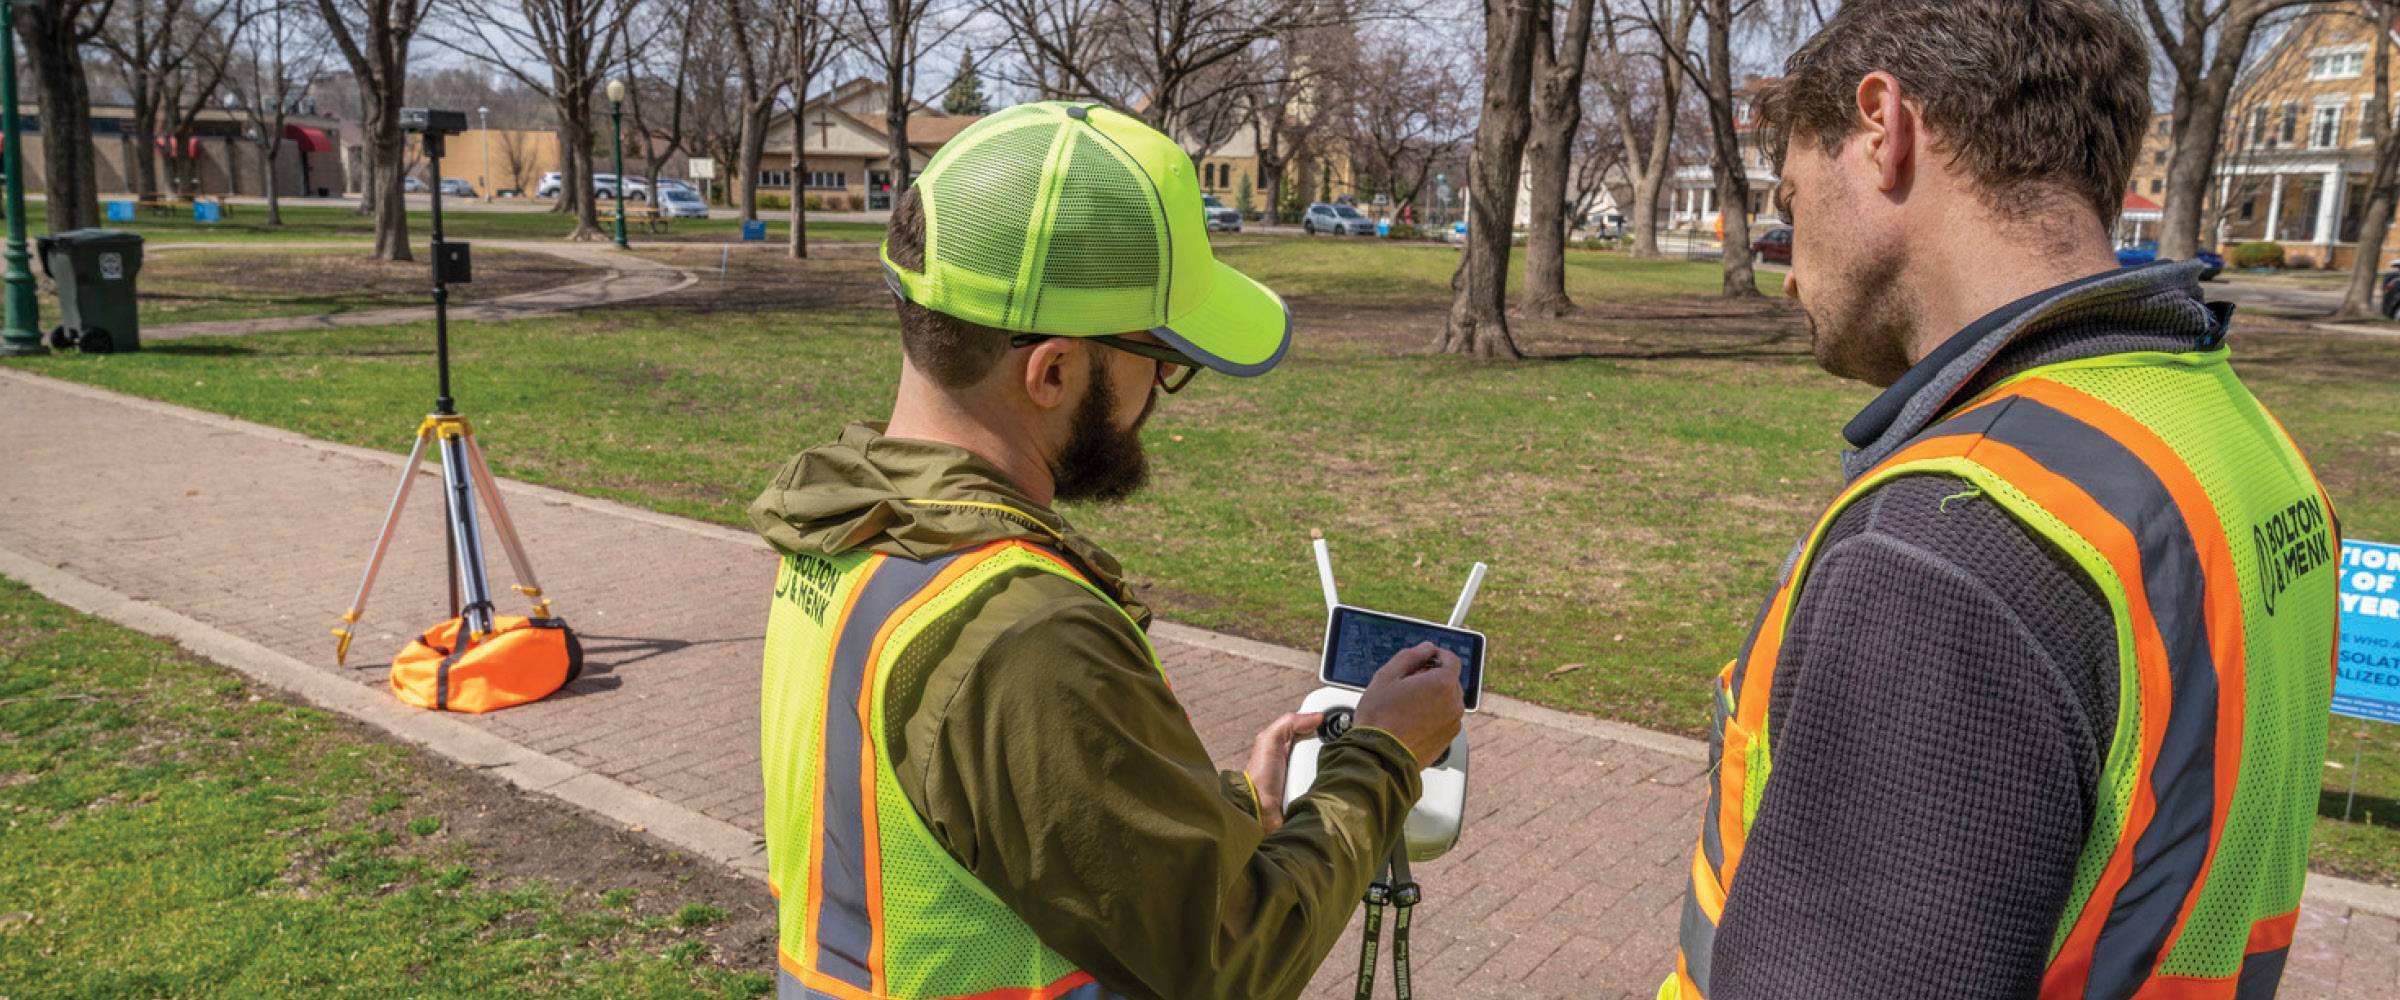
x=477 y=660
x=1358 y=641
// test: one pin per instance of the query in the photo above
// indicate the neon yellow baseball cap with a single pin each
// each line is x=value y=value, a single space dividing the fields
x=1073 y=220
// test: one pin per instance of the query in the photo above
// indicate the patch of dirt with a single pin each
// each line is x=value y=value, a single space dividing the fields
x=213 y=276
x=512 y=838
x=751 y=277
x=1696 y=327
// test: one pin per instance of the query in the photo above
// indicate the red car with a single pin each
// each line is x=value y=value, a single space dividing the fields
x=1774 y=246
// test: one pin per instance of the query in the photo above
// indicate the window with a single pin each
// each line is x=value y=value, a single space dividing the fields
x=2157 y=185
x=2291 y=124
x=2250 y=210
x=828 y=179
x=2326 y=128
x=2258 y=127
x=2337 y=64
x=774 y=178
x=2366 y=116
x=2159 y=158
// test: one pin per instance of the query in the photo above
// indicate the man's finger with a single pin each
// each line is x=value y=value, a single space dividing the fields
x=1298 y=726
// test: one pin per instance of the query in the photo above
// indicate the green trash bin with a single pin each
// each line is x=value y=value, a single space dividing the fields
x=94 y=270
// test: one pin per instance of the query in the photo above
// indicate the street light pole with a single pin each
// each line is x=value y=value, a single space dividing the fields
x=20 y=335
x=483 y=141
x=616 y=133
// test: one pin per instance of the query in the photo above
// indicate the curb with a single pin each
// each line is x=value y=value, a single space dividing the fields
x=674 y=824
x=441 y=733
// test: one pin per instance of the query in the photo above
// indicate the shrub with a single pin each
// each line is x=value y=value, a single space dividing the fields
x=770 y=200
x=1405 y=231
x=2252 y=255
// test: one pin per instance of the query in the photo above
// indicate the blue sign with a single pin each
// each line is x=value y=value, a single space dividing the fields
x=206 y=211
x=2366 y=682
x=754 y=230
x=120 y=211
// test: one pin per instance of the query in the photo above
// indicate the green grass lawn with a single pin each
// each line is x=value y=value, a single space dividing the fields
x=325 y=222
x=171 y=832
x=1634 y=494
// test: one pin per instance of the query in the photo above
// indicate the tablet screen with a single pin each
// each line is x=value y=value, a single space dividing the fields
x=1359 y=642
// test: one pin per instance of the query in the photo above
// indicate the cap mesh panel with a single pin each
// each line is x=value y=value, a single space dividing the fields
x=986 y=201
x=1104 y=262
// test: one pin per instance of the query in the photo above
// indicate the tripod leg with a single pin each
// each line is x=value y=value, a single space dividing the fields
x=459 y=488
x=506 y=529
x=383 y=544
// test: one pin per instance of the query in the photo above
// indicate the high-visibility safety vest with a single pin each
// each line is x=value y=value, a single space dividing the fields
x=2195 y=516
x=869 y=904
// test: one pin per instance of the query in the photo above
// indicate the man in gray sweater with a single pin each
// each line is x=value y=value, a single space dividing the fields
x=1958 y=808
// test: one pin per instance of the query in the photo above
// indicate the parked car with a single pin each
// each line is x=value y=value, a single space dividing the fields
x=1458 y=232
x=671 y=184
x=678 y=202
x=413 y=186
x=548 y=188
x=457 y=188
x=605 y=186
x=2391 y=292
x=1774 y=246
x=1221 y=217
x=1340 y=220
x=2133 y=254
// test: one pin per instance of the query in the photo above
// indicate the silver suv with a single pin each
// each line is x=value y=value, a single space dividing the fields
x=1340 y=220
x=1221 y=217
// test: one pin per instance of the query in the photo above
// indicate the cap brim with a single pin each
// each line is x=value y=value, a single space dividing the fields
x=1242 y=328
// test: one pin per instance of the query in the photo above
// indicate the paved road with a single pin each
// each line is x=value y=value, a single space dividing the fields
x=1579 y=832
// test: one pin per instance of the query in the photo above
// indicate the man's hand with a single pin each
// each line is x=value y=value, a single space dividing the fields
x=1416 y=697
x=1271 y=756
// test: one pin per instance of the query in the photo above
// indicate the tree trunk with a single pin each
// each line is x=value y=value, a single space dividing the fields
x=1733 y=177
x=2199 y=124
x=895 y=104
x=802 y=79
x=266 y=175
x=2359 y=301
x=145 y=134
x=1478 y=322
x=755 y=123
x=70 y=169
x=575 y=166
x=389 y=164
x=1557 y=112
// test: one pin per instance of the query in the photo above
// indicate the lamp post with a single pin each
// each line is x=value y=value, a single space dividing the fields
x=23 y=312
x=616 y=133
x=233 y=183
x=483 y=141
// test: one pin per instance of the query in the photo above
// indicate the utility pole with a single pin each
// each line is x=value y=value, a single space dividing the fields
x=483 y=141
x=22 y=334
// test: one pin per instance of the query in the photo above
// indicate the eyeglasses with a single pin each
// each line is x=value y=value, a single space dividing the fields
x=1174 y=370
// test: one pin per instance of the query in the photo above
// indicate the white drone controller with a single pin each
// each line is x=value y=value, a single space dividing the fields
x=1357 y=641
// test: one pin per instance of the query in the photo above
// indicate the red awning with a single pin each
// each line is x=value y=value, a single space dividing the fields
x=308 y=140
x=2137 y=203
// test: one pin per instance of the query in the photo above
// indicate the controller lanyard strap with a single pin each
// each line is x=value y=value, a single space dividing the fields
x=1392 y=886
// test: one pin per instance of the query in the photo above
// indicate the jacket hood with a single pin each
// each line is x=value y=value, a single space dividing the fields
x=918 y=500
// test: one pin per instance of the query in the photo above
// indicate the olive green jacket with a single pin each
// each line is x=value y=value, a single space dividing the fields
x=1046 y=753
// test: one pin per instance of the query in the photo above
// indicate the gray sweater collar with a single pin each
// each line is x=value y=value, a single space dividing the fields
x=2159 y=298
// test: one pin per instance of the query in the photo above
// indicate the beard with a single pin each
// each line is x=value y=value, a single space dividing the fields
x=1861 y=325
x=1102 y=462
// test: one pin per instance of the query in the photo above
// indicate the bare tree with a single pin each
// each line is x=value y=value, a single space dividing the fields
x=760 y=31
x=1057 y=44
x=1559 y=52
x=2206 y=43
x=374 y=36
x=561 y=49
x=1726 y=162
x=815 y=43
x=657 y=71
x=519 y=160
x=2383 y=184
x=1396 y=108
x=152 y=43
x=893 y=37
x=55 y=33
x=1276 y=111
x=1645 y=115
x=283 y=52
x=1599 y=160
x=1478 y=322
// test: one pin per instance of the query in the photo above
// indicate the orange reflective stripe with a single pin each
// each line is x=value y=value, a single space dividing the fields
x=867 y=755
x=1709 y=892
x=816 y=816
x=2222 y=612
x=2273 y=933
x=1060 y=988
x=830 y=986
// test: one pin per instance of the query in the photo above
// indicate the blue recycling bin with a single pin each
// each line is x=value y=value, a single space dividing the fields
x=207 y=211
x=120 y=211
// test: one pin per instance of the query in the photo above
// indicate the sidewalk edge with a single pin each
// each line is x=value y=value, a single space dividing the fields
x=443 y=734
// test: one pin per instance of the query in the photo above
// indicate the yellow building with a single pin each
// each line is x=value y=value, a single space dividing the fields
x=496 y=160
x=2296 y=152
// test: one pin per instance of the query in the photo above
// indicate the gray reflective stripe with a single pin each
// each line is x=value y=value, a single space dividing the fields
x=2170 y=853
x=845 y=933
x=1698 y=940
x=1712 y=842
x=2262 y=975
x=789 y=987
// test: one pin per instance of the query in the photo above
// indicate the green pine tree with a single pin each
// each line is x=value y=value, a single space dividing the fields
x=966 y=89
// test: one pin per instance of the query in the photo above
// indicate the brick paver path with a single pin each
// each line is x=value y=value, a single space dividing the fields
x=1567 y=883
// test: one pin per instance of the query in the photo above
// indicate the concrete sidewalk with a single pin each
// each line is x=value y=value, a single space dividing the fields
x=245 y=543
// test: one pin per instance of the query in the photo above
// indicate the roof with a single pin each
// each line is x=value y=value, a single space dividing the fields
x=926 y=131
x=2137 y=203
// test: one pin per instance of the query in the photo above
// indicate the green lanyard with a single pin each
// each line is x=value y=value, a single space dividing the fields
x=1392 y=885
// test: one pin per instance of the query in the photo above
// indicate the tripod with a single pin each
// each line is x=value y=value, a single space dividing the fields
x=464 y=473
